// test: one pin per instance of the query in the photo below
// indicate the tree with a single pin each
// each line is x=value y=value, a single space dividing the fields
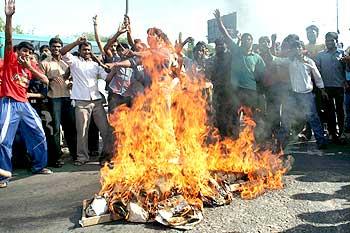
x=17 y=29
x=91 y=37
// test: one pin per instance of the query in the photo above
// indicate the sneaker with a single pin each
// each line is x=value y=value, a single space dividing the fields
x=3 y=184
x=44 y=171
x=303 y=137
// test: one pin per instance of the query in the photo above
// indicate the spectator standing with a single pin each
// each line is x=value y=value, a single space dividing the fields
x=61 y=109
x=16 y=111
x=88 y=100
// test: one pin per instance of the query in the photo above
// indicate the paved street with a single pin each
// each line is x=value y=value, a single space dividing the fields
x=316 y=199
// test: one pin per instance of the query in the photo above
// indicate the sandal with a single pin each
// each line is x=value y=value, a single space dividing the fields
x=3 y=184
x=78 y=163
x=44 y=171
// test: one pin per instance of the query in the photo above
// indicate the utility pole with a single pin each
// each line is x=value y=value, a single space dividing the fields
x=338 y=16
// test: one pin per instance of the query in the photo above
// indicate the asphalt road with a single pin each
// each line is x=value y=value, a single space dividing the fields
x=316 y=198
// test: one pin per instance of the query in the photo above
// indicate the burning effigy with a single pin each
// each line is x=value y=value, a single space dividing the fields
x=169 y=161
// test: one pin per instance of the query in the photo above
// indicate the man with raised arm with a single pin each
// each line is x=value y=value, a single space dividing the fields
x=247 y=67
x=15 y=110
x=88 y=100
x=110 y=48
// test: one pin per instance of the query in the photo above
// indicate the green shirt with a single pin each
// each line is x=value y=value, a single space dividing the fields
x=246 y=69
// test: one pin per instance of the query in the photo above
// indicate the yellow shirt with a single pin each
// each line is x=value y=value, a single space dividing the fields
x=314 y=49
x=55 y=68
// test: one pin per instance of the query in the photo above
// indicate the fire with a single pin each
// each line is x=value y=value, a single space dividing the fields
x=166 y=146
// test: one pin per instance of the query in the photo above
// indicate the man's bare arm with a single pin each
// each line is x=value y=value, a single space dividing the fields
x=9 y=11
x=222 y=27
x=97 y=36
x=112 y=40
x=128 y=32
x=70 y=46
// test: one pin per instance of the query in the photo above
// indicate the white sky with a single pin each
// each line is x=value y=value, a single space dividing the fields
x=259 y=17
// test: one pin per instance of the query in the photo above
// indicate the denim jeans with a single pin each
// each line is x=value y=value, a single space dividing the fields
x=298 y=107
x=63 y=114
x=347 y=110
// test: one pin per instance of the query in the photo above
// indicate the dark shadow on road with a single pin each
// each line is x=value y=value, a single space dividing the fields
x=308 y=228
x=343 y=193
x=340 y=219
x=313 y=165
x=75 y=218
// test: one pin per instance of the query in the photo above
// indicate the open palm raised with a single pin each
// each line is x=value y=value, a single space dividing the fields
x=9 y=7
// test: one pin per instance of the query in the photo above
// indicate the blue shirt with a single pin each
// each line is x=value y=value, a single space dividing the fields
x=331 y=68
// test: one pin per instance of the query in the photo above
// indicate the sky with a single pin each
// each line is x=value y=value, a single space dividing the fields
x=259 y=17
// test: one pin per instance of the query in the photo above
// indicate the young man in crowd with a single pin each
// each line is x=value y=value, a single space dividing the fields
x=119 y=82
x=312 y=49
x=15 y=111
x=333 y=72
x=61 y=109
x=88 y=100
x=247 y=68
x=44 y=52
x=301 y=69
x=219 y=74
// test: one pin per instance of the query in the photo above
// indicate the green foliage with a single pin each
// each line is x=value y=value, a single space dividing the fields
x=17 y=29
x=2 y=25
x=91 y=37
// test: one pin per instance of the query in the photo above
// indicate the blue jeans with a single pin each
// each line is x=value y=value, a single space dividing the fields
x=63 y=114
x=347 y=110
x=301 y=106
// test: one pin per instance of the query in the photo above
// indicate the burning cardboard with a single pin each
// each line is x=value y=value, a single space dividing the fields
x=177 y=213
x=97 y=207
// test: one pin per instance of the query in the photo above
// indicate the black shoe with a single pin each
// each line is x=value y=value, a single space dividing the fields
x=338 y=141
x=322 y=146
x=56 y=164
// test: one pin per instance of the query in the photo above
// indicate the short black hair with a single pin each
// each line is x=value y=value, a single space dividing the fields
x=25 y=44
x=86 y=43
x=55 y=40
x=246 y=35
x=313 y=28
x=290 y=39
x=296 y=44
x=41 y=49
x=264 y=38
x=332 y=35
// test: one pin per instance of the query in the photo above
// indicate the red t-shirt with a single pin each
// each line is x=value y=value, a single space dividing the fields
x=1 y=67
x=14 y=78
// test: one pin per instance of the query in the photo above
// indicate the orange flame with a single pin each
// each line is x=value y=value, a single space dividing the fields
x=163 y=146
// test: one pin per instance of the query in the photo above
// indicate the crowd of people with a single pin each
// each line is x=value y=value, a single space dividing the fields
x=287 y=85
